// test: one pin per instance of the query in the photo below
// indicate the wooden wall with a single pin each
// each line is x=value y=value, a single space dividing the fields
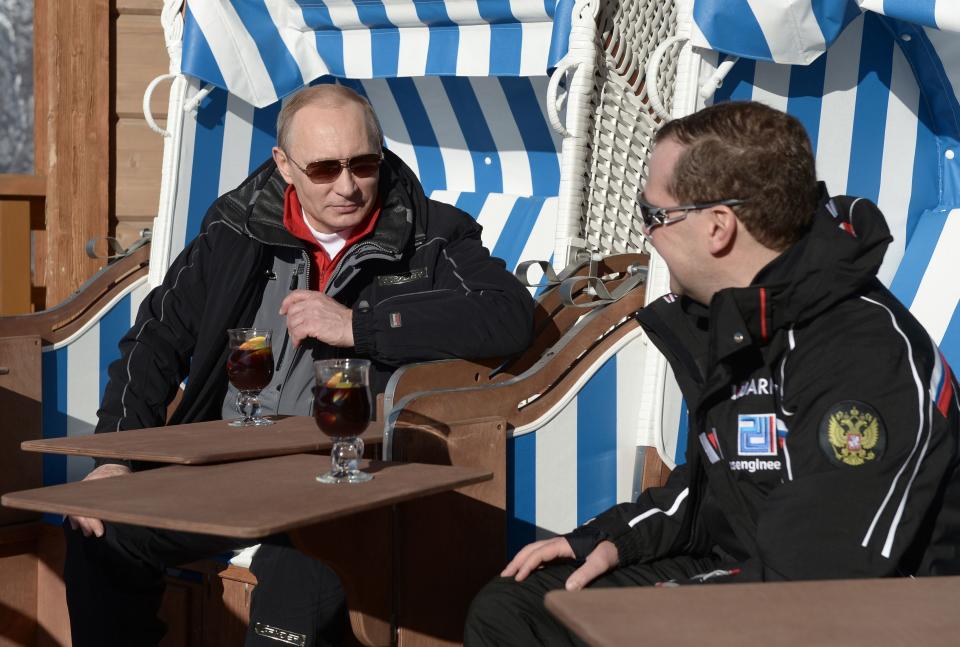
x=141 y=55
x=72 y=130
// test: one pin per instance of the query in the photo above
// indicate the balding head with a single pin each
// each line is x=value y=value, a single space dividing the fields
x=326 y=96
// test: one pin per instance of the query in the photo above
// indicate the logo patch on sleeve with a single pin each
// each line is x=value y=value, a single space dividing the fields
x=852 y=433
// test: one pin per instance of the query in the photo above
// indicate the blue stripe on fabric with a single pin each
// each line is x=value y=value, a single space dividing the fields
x=472 y=203
x=277 y=59
x=425 y=146
x=329 y=39
x=505 y=48
x=384 y=38
x=950 y=344
x=54 y=407
x=517 y=230
x=114 y=324
x=521 y=492
x=562 y=23
x=488 y=178
x=535 y=133
x=944 y=105
x=353 y=84
x=917 y=256
x=444 y=38
x=932 y=79
x=683 y=428
x=833 y=16
x=264 y=136
x=922 y=12
x=870 y=111
x=198 y=59
x=925 y=191
x=805 y=100
x=597 y=443
x=730 y=26
x=207 y=148
x=738 y=85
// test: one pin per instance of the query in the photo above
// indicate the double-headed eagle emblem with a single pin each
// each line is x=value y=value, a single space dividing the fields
x=853 y=435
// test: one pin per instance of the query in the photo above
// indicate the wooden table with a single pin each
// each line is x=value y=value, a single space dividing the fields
x=202 y=442
x=852 y=613
x=248 y=499
x=402 y=566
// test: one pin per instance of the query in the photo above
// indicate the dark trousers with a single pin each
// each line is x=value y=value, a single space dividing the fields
x=115 y=583
x=506 y=612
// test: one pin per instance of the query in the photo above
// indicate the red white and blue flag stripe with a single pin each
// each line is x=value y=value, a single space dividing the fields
x=941 y=384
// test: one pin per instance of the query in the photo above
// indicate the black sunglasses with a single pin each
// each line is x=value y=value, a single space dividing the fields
x=322 y=171
x=657 y=216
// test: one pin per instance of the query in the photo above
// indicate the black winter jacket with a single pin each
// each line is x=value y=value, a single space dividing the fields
x=421 y=286
x=823 y=423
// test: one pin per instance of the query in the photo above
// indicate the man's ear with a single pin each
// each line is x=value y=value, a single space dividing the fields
x=283 y=164
x=723 y=229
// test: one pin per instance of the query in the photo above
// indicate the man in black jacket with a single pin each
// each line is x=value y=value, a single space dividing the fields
x=823 y=421
x=334 y=246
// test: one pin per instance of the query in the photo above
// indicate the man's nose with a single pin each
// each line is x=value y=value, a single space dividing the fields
x=345 y=184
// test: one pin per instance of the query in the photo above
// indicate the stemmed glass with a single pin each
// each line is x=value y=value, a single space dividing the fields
x=249 y=368
x=341 y=407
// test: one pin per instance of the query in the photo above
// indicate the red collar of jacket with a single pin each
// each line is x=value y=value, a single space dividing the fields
x=323 y=265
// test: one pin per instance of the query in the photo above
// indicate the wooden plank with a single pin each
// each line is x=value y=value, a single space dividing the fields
x=129 y=228
x=200 y=443
x=76 y=76
x=854 y=613
x=13 y=185
x=139 y=165
x=58 y=323
x=20 y=402
x=248 y=499
x=52 y=613
x=143 y=7
x=141 y=57
x=18 y=591
x=14 y=257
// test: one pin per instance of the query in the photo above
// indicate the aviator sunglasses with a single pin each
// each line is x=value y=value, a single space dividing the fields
x=362 y=166
x=654 y=217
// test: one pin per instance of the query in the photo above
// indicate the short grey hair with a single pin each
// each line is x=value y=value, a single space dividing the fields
x=327 y=95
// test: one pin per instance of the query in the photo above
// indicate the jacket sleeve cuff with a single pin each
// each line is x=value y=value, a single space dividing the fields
x=363 y=330
x=584 y=539
x=628 y=549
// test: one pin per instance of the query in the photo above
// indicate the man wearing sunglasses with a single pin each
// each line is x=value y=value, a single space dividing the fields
x=333 y=245
x=823 y=421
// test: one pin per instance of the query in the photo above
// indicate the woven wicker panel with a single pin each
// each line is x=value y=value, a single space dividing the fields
x=623 y=124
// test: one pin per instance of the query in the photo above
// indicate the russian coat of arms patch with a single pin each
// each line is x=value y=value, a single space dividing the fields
x=852 y=433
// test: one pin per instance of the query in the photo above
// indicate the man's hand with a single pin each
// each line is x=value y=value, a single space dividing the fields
x=603 y=558
x=87 y=525
x=314 y=314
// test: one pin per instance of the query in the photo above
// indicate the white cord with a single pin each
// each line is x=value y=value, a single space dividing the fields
x=147 y=112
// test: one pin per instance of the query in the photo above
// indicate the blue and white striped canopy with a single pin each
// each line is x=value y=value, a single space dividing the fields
x=261 y=51
x=799 y=31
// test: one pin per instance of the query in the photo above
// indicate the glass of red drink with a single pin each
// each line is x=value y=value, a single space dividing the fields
x=249 y=369
x=342 y=408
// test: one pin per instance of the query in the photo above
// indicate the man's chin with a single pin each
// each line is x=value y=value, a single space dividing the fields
x=340 y=221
